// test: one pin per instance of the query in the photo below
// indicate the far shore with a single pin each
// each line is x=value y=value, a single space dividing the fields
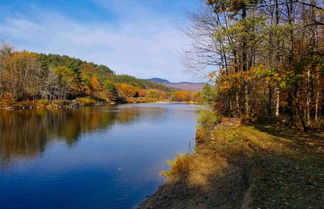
x=77 y=103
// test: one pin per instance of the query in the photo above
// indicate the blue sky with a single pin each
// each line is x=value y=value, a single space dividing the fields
x=137 y=37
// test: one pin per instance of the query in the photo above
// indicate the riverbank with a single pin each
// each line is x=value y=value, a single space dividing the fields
x=237 y=166
x=52 y=104
x=145 y=100
x=76 y=103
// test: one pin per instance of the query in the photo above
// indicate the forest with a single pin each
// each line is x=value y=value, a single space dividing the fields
x=268 y=57
x=259 y=144
x=29 y=78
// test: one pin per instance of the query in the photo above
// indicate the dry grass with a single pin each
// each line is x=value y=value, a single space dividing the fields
x=196 y=169
x=284 y=167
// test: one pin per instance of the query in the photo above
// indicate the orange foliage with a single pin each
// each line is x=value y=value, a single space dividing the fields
x=183 y=96
x=127 y=90
x=95 y=83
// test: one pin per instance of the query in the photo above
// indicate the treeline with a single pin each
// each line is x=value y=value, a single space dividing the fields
x=28 y=76
x=270 y=58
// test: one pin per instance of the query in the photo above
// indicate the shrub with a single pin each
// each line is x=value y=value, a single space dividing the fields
x=180 y=165
x=207 y=118
x=319 y=124
x=85 y=100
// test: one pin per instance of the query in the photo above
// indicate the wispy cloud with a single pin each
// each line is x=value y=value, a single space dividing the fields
x=142 y=42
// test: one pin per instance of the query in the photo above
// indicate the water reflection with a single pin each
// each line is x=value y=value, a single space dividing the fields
x=93 y=157
x=25 y=134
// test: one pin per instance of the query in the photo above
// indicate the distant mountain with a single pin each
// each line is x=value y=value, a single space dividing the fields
x=186 y=86
x=158 y=80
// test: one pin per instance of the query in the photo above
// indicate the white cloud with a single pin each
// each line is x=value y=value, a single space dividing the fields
x=146 y=45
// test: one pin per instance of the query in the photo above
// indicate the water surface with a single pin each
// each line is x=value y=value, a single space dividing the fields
x=93 y=157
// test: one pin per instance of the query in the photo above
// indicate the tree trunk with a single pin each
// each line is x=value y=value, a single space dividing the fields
x=299 y=112
x=244 y=65
x=290 y=108
x=309 y=95
x=277 y=90
x=247 y=106
x=269 y=111
x=237 y=103
x=318 y=94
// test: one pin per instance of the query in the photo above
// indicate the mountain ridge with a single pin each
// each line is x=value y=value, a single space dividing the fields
x=184 y=85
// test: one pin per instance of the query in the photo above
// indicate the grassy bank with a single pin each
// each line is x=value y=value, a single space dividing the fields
x=237 y=166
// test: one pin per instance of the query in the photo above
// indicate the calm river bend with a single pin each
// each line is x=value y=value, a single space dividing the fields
x=93 y=157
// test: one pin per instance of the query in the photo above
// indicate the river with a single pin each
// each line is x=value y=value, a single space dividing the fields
x=89 y=158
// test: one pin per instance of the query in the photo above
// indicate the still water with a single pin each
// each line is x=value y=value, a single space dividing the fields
x=92 y=157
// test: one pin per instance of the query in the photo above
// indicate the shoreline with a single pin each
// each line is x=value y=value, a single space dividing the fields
x=245 y=167
x=71 y=104
x=51 y=105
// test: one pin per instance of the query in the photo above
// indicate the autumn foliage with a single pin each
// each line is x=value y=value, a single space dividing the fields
x=27 y=76
x=269 y=56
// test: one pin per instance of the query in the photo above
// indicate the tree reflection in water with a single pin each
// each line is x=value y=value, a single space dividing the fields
x=25 y=134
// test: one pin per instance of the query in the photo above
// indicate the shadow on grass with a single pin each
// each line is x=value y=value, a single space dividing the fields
x=267 y=167
x=225 y=191
x=311 y=141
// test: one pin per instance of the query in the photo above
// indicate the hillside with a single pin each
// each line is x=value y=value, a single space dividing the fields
x=186 y=86
x=28 y=76
x=103 y=71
